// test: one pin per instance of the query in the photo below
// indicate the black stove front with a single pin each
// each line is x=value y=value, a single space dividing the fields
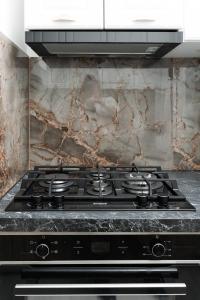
x=105 y=266
x=72 y=188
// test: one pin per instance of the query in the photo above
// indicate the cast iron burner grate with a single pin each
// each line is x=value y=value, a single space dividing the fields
x=78 y=188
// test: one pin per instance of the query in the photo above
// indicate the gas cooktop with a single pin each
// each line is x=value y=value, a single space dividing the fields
x=78 y=188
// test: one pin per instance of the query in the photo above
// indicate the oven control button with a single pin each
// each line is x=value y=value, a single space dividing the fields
x=158 y=250
x=42 y=251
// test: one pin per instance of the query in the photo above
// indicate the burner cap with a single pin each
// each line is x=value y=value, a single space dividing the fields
x=140 y=186
x=97 y=176
x=61 y=184
x=99 y=186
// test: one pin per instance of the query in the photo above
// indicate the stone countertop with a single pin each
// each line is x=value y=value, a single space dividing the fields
x=110 y=221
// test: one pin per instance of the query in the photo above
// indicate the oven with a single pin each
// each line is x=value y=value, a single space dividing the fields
x=99 y=266
x=142 y=282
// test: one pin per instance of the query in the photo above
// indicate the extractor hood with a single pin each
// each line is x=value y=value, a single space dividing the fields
x=110 y=43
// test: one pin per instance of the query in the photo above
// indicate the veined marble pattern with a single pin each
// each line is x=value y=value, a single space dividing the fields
x=114 y=111
x=13 y=113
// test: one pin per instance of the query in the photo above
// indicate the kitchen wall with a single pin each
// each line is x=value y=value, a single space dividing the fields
x=14 y=123
x=84 y=111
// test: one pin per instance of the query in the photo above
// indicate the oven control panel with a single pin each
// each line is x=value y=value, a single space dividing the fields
x=98 y=247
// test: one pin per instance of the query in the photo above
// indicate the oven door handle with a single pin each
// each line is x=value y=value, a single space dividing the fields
x=101 y=289
x=42 y=271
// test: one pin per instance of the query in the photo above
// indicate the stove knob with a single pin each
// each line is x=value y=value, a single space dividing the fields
x=42 y=251
x=158 y=250
x=163 y=201
x=142 y=201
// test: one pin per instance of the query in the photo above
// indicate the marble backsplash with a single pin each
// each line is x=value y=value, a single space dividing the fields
x=115 y=111
x=14 y=66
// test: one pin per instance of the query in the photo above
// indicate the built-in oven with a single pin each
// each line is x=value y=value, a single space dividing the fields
x=100 y=282
x=103 y=267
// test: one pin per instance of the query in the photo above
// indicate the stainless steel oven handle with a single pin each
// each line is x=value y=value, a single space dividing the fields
x=166 y=289
x=40 y=271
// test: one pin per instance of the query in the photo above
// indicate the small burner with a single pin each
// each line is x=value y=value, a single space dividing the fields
x=140 y=186
x=61 y=184
x=99 y=183
x=96 y=176
x=97 y=186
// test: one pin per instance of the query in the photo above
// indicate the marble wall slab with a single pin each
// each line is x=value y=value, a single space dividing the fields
x=113 y=111
x=14 y=116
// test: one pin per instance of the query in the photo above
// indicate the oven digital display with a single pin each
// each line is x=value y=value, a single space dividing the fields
x=100 y=247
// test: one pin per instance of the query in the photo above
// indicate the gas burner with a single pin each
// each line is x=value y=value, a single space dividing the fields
x=61 y=184
x=96 y=176
x=136 y=183
x=99 y=186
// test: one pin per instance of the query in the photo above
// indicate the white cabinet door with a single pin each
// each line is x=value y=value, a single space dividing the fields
x=144 y=14
x=63 y=14
x=192 y=20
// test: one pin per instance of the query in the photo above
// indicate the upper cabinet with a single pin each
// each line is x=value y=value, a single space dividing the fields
x=63 y=14
x=115 y=14
x=144 y=14
x=191 y=20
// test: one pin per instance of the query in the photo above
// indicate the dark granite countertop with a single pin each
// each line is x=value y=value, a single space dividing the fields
x=94 y=221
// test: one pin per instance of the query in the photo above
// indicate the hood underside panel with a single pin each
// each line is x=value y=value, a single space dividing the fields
x=111 y=43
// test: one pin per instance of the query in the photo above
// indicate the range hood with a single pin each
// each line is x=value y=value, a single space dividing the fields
x=100 y=43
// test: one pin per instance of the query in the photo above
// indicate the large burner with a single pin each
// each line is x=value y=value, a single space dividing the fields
x=139 y=186
x=60 y=184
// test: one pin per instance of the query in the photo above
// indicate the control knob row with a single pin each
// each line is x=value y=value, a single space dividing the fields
x=42 y=250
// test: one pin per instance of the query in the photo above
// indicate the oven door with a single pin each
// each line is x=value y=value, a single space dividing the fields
x=106 y=283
